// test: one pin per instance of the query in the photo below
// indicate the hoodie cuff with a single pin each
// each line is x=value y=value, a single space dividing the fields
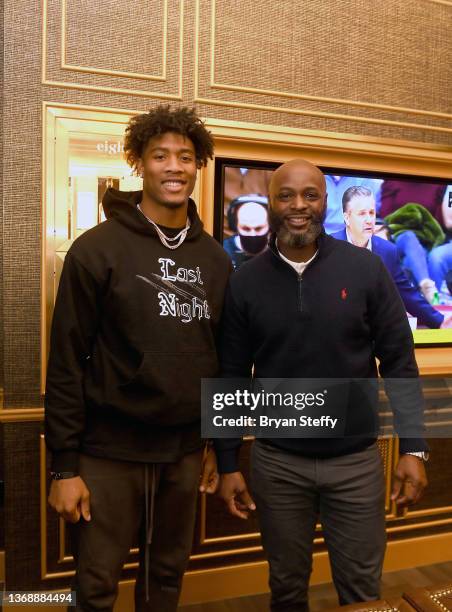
x=65 y=461
x=227 y=460
x=413 y=445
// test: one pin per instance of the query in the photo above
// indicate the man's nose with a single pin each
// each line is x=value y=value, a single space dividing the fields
x=298 y=202
x=173 y=164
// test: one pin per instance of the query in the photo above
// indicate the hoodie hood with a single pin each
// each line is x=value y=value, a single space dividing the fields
x=122 y=205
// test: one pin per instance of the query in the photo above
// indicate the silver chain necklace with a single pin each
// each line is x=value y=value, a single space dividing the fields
x=164 y=239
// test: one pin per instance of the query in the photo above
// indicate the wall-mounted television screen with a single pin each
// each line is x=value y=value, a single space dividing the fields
x=406 y=220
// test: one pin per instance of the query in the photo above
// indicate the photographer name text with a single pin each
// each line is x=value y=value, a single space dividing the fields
x=273 y=422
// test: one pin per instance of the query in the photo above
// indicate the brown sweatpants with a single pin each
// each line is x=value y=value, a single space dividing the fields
x=119 y=518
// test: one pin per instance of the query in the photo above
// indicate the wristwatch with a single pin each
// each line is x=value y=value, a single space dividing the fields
x=62 y=475
x=421 y=454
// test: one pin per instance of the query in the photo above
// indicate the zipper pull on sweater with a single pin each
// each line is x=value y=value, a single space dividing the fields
x=300 y=301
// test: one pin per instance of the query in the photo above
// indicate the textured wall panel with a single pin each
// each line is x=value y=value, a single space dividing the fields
x=121 y=36
x=22 y=506
x=21 y=205
x=2 y=462
x=2 y=490
x=348 y=58
x=2 y=67
x=107 y=46
x=356 y=51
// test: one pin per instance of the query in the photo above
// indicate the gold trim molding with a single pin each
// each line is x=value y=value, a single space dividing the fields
x=294 y=96
x=21 y=415
x=221 y=554
x=130 y=75
x=247 y=579
x=337 y=150
x=115 y=73
x=2 y=566
x=45 y=574
x=390 y=457
x=53 y=114
x=250 y=578
x=224 y=554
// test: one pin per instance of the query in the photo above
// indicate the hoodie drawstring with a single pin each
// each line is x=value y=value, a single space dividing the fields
x=149 y=519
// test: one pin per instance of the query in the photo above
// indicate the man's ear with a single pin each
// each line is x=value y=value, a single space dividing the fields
x=346 y=219
x=139 y=167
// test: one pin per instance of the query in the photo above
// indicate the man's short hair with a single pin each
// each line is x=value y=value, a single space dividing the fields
x=352 y=192
x=159 y=121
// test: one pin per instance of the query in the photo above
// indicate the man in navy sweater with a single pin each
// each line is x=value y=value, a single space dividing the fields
x=358 y=205
x=314 y=307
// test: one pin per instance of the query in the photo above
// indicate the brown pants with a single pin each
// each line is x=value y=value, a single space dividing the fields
x=125 y=507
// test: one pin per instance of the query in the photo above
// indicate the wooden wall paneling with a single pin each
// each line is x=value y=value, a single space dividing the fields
x=38 y=555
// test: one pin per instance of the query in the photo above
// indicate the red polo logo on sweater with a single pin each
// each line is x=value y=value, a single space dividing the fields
x=344 y=294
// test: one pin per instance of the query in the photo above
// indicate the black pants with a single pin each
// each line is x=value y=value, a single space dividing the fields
x=347 y=494
x=125 y=507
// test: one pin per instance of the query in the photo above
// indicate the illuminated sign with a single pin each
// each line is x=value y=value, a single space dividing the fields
x=112 y=148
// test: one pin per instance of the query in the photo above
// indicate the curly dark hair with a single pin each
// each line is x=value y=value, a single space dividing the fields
x=159 y=121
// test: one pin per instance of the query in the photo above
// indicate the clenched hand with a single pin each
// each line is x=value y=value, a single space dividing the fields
x=70 y=498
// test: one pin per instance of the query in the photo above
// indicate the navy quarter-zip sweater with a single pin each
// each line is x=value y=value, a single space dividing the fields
x=331 y=322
